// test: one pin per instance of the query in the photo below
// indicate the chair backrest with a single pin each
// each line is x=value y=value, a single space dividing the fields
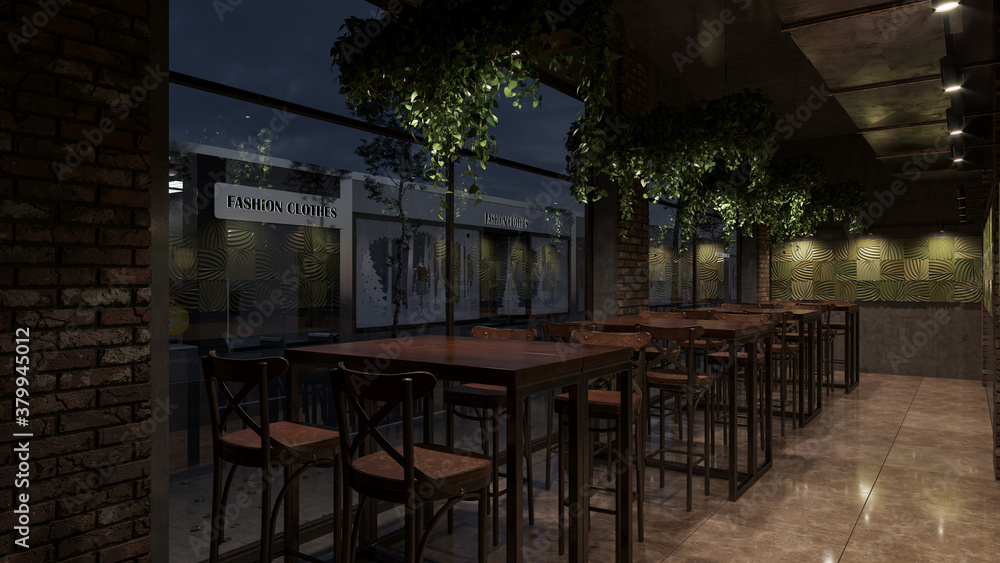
x=675 y=347
x=563 y=332
x=825 y=307
x=237 y=378
x=759 y=305
x=662 y=314
x=637 y=341
x=737 y=306
x=374 y=397
x=494 y=333
x=784 y=302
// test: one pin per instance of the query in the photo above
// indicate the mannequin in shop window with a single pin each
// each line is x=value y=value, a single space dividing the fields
x=421 y=282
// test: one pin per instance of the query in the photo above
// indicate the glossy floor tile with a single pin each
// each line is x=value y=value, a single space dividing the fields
x=898 y=470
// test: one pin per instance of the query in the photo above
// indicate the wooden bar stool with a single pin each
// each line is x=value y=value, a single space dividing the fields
x=562 y=333
x=676 y=376
x=605 y=405
x=290 y=444
x=487 y=403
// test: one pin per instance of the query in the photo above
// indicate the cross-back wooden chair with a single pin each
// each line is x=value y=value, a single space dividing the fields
x=289 y=444
x=410 y=474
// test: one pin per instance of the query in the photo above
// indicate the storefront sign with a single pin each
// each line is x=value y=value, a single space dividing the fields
x=246 y=203
x=508 y=221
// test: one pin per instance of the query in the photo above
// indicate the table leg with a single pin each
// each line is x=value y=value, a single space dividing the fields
x=515 y=477
x=292 y=500
x=579 y=494
x=733 y=425
x=623 y=489
x=751 y=376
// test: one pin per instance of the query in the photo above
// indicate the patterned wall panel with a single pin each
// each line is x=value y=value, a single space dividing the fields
x=932 y=269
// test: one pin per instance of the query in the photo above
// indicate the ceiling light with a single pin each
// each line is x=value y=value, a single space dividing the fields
x=943 y=5
x=951 y=73
x=958 y=149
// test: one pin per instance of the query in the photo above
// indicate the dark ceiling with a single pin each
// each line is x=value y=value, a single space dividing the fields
x=885 y=115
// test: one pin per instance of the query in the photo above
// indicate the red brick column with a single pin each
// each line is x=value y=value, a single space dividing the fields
x=995 y=205
x=632 y=286
x=633 y=261
x=763 y=266
x=74 y=221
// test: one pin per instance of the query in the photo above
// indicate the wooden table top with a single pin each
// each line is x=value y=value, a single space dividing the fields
x=462 y=358
x=713 y=328
x=797 y=313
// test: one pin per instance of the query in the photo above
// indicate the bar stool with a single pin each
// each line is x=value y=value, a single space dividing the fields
x=290 y=444
x=721 y=359
x=678 y=377
x=826 y=337
x=487 y=403
x=410 y=474
x=605 y=405
x=562 y=333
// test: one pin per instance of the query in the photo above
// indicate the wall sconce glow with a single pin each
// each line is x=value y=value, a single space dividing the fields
x=956 y=123
x=943 y=5
x=175 y=186
x=951 y=73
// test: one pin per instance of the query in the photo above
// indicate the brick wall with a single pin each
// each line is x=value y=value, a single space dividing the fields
x=763 y=266
x=75 y=227
x=632 y=287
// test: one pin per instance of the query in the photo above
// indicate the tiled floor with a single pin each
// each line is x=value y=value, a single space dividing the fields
x=899 y=470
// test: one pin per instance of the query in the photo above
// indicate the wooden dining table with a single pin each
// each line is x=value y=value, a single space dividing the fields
x=808 y=321
x=524 y=368
x=739 y=335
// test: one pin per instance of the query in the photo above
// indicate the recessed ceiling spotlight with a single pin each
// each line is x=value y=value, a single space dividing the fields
x=943 y=5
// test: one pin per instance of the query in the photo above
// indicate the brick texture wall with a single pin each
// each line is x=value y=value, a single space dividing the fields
x=996 y=256
x=632 y=286
x=74 y=226
x=763 y=266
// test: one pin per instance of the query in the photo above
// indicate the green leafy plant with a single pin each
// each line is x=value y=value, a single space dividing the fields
x=442 y=66
x=703 y=154
x=718 y=156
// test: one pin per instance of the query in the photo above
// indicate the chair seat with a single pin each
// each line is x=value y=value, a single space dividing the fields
x=457 y=468
x=671 y=378
x=600 y=402
x=477 y=395
x=243 y=446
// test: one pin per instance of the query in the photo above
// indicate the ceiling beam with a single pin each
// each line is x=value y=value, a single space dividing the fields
x=904 y=126
x=907 y=81
x=851 y=14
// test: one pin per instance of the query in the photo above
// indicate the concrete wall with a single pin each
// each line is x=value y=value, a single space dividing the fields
x=922 y=339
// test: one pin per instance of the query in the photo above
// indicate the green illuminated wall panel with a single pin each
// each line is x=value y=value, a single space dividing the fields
x=932 y=269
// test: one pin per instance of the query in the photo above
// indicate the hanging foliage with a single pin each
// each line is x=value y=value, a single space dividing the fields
x=441 y=67
x=703 y=154
x=716 y=156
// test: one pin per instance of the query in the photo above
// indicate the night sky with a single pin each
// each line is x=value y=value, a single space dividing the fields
x=283 y=50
